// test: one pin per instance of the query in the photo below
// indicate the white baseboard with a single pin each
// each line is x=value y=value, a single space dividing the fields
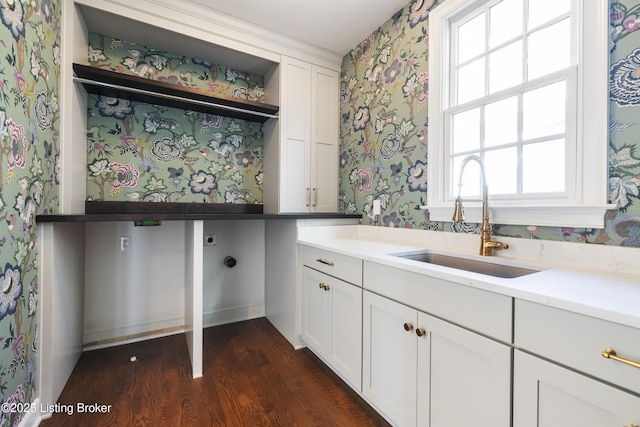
x=33 y=418
x=234 y=314
x=110 y=337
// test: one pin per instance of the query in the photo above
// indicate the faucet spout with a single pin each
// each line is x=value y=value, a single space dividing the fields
x=487 y=246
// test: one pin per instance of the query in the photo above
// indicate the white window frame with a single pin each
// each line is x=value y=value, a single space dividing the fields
x=587 y=204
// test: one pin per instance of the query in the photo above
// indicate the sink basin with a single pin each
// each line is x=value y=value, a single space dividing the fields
x=476 y=266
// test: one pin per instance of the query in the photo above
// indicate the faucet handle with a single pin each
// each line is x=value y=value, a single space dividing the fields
x=496 y=245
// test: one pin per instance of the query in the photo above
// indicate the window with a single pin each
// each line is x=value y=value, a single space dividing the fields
x=523 y=85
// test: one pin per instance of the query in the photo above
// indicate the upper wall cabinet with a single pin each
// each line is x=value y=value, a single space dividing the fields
x=303 y=155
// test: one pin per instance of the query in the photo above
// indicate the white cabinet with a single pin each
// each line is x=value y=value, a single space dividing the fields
x=547 y=395
x=465 y=377
x=390 y=371
x=561 y=376
x=420 y=370
x=332 y=322
x=304 y=153
x=325 y=111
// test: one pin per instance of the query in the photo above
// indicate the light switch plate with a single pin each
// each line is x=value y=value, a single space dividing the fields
x=376 y=207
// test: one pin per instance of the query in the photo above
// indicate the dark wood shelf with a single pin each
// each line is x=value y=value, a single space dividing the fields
x=109 y=83
x=99 y=211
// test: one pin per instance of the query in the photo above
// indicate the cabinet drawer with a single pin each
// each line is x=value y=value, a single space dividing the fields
x=577 y=341
x=478 y=310
x=337 y=265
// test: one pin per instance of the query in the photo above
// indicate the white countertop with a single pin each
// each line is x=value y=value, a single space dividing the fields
x=577 y=278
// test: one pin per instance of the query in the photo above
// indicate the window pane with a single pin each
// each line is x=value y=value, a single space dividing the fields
x=549 y=50
x=501 y=122
x=471 y=36
x=505 y=21
x=544 y=111
x=471 y=180
x=466 y=131
x=543 y=167
x=471 y=81
x=505 y=67
x=541 y=11
x=501 y=167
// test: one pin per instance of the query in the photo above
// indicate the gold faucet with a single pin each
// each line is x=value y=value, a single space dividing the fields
x=487 y=246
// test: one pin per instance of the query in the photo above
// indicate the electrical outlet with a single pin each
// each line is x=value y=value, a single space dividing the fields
x=376 y=207
x=210 y=240
x=125 y=243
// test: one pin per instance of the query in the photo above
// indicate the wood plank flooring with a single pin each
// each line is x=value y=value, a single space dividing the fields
x=252 y=377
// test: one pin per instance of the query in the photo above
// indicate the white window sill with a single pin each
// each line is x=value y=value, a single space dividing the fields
x=551 y=216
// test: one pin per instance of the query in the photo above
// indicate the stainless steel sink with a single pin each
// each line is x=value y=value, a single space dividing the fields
x=476 y=266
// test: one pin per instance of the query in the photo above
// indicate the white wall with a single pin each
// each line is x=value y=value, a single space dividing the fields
x=234 y=294
x=134 y=294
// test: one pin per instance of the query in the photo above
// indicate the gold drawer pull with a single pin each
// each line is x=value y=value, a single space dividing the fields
x=421 y=332
x=408 y=326
x=632 y=425
x=324 y=261
x=610 y=353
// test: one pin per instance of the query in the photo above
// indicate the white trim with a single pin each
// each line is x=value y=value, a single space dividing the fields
x=111 y=337
x=33 y=418
x=118 y=335
x=588 y=207
x=192 y=20
x=233 y=314
x=583 y=216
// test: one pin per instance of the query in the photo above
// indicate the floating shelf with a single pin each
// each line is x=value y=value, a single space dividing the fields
x=99 y=211
x=109 y=83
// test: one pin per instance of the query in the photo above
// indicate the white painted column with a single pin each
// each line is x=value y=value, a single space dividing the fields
x=60 y=311
x=193 y=302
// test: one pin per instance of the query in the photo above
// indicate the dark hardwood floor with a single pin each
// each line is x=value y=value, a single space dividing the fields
x=252 y=377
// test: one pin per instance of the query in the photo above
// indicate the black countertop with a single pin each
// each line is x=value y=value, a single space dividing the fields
x=100 y=211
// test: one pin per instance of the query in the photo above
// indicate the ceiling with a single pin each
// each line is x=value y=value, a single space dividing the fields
x=336 y=25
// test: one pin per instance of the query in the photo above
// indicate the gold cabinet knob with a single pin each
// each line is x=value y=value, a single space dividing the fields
x=321 y=285
x=327 y=287
x=421 y=332
x=408 y=326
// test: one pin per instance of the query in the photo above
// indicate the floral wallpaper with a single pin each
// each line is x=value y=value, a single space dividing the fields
x=29 y=126
x=384 y=92
x=143 y=152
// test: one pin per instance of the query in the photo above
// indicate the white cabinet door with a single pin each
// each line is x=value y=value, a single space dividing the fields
x=295 y=142
x=316 y=311
x=332 y=323
x=308 y=154
x=389 y=358
x=346 y=331
x=547 y=395
x=464 y=378
x=324 y=139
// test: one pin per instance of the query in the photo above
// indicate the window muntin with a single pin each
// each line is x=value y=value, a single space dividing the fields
x=588 y=128
x=511 y=96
